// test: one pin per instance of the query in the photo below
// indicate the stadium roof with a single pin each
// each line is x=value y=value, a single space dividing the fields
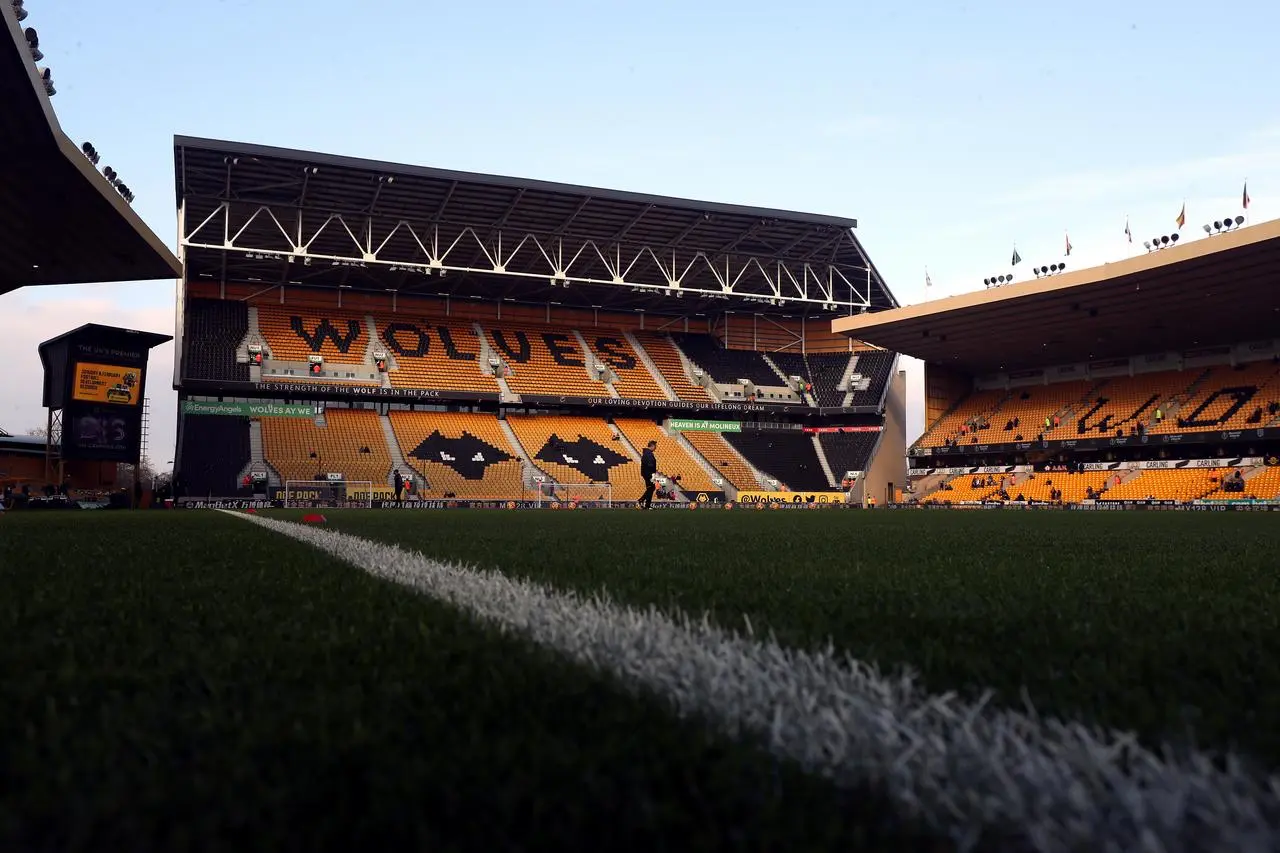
x=1218 y=290
x=256 y=213
x=60 y=221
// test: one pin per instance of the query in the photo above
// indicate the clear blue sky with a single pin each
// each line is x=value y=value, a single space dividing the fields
x=950 y=130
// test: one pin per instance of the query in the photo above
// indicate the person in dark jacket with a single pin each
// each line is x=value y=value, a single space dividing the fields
x=648 y=467
x=398 y=485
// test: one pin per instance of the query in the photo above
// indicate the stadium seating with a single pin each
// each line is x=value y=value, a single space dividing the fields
x=1122 y=403
x=823 y=370
x=664 y=355
x=441 y=355
x=578 y=450
x=975 y=407
x=960 y=489
x=787 y=456
x=848 y=451
x=874 y=366
x=727 y=366
x=672 y=459
x=215 y=450
x=1073 y=486
x=1179 y=484
x=632 y=379
x=462 y=455
x=289 y=442
x=543 y=361
x=722 y=456
x=1225 y=399
x=341 y=337
x=214 y=329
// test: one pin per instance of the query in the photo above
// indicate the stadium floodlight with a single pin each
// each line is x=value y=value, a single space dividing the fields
x=1048 y=270
x=19 y=11
x=997 y=280
x=33 y=43
x=1225 y=224
x=46 y=77
x=90 y=152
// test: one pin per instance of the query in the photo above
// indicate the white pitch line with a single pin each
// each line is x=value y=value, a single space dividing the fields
x=958 y=767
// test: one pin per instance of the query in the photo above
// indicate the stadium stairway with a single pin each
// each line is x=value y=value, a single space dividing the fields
x=726 y=483
x=822 y=460
x=650 y=366
x=632 y=450
x=398 y=461
x=590 y=360
x=527 y=464
x=712 y=447
x=257 y=458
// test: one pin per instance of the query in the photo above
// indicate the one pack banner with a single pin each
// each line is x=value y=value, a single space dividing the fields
x=250 y=410
x=682 y=425
x=107 y=383
x=791 y=497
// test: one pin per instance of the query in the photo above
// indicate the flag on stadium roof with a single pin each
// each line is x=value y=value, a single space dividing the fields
x=1017 y=259
x=1245 y=200
x=1068 y=236
x=928 y=282
x=1182 y=216
x=1127 y=232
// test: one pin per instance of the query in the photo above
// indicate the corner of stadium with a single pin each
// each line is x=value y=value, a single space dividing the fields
x=500 y=341
x=1151 y=381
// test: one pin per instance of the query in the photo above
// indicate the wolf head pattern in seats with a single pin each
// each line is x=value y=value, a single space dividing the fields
x=468 y=455
x=583 y=455
x=410 y=340
x=614 y=352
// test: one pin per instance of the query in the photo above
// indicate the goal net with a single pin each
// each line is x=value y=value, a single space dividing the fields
x=583 y=494
x=330 y=493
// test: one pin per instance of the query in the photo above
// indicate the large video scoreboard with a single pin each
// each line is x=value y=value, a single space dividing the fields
x=97 y=376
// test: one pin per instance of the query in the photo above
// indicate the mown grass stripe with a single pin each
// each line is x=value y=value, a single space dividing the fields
x=964 y=769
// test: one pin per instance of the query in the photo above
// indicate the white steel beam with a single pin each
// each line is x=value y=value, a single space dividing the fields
x=516 y=254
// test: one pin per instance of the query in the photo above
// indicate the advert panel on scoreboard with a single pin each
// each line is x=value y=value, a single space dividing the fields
x=106 y=383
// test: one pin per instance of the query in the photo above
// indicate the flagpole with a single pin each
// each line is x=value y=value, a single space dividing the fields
x=1245 y=198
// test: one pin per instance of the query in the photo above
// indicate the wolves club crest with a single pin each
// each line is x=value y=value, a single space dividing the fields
x=583 y=455
x=467 y=455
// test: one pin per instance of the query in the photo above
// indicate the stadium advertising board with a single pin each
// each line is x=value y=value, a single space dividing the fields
x=249 y=410
x=825 y=430
x=108 y=433
x=106 y=383
x=791 y=497
x=305 y=389
x=685 y=425
x=1135 y=441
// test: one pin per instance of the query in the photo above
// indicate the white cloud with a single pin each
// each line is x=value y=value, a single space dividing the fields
x=28 y=318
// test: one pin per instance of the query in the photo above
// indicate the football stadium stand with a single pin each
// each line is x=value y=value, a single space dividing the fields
x=341 y=337
x=722 y=456
x=786 y=455
x=673 y=461
x=214 y=451
x=665 y=356
x=578 y=450
x=215 y=329
x=459 y=455
x=350 y=443
x=727 y=366
x=1183 y=484
x=543 y=361
x=848 y=451
x=631 y=378
x=434 y=354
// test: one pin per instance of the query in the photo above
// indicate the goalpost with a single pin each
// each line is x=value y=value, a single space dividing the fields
x=331 y=493
x=584 y=494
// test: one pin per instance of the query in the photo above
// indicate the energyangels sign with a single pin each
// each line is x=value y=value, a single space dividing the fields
x=682 y=425
x=250 y=410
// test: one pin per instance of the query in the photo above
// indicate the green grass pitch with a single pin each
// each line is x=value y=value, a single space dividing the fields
x=188 y=681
